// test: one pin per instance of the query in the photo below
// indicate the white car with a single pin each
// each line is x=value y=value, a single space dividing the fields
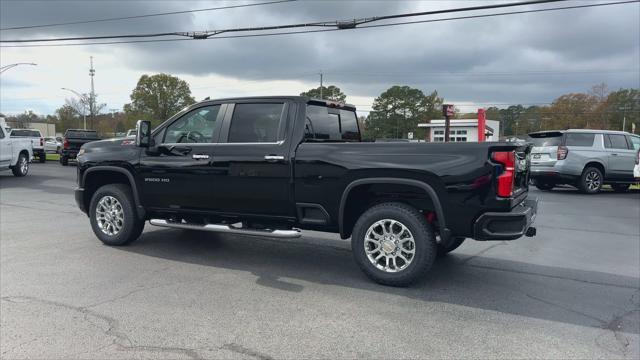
x=51 y=145
x=15 y=153
x=636 y=169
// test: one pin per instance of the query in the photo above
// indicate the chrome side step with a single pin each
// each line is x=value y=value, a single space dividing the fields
x=227 y=229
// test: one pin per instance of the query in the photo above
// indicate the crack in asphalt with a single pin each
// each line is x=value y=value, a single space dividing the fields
x=113 y=328
x=239 y=349
x=551 y=276
x=615 y=325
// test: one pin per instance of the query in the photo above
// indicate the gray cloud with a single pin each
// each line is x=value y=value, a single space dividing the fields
x=479 y=60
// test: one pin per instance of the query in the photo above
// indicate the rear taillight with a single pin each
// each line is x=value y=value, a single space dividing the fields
x=41 y=141
x=65 y=144
x=507 y=178
x=562 y=152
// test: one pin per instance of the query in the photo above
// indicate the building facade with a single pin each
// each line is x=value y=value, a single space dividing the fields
x=461 y=130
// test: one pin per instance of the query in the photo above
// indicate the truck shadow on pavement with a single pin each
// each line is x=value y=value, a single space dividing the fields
x=578 y=297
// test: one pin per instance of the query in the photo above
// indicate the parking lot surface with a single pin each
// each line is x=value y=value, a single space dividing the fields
x=571 y=292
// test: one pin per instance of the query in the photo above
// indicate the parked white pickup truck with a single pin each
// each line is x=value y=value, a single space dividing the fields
x=37 y=141
x=15 y=153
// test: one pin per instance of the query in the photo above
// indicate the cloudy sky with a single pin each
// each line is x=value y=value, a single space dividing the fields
x=526 y=58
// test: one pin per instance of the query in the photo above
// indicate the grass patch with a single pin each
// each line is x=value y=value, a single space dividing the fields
x=53 y=157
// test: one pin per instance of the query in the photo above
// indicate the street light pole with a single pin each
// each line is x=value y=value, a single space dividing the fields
x=84 y=105
x=11 y=66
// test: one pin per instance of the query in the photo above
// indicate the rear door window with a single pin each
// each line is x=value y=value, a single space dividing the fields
x=577 y=139
x=615 y=141
x=635 y=142
x=320 y=125
x=255 y=123
x=324 y=124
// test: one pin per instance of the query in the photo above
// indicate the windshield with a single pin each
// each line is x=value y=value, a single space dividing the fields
x=25 y=133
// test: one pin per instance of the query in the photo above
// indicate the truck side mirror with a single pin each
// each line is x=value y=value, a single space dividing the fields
x=143 y=133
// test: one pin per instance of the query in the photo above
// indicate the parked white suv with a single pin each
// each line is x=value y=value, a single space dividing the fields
x=37 y=141
x=15 y=154
x=584 y=158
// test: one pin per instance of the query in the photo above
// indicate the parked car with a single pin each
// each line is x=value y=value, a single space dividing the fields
x=270 y=166
x=73 y=140
x=131 y=133
x=36 y=139
x=15 y=153
x=586 y=159
x=51 y=145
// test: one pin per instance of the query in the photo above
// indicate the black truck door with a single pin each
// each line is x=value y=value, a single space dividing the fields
x=252 y=162
x=177 y=173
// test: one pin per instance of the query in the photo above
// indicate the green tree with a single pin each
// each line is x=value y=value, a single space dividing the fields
x=158 y=97
x=399 y=109
x=330 y=92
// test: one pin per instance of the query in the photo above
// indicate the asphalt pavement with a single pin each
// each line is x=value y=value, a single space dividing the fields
x=571 y=292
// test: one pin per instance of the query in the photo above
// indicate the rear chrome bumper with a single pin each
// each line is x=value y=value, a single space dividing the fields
x=507 y=225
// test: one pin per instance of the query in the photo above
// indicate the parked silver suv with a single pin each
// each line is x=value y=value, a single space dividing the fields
x=586 y=159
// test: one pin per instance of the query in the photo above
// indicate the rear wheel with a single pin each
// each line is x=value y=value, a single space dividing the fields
x=620 y=187
x=64 y=160
x=113 y=217
x=22 y=166
x=453 y=244
x=42 y=157
x=591 y=180
x=393 y=244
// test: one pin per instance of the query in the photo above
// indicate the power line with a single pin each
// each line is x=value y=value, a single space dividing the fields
x=200 y=36
x=143 y=16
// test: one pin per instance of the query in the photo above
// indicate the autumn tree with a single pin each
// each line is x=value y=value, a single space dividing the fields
x=158 y=97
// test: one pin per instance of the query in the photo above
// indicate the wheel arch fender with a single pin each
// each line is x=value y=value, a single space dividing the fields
x=428 y=189
x=105 y=169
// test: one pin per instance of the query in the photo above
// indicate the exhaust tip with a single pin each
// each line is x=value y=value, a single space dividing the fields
x=531 y=232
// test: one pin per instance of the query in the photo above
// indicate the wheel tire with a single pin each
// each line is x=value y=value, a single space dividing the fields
x=544 y=186
x=64 y=160
x=454 y=244
x=620 y=188
x=591 y=180
x=42 y=157
x=423 y=236
x=22 y=166
x=131 y=227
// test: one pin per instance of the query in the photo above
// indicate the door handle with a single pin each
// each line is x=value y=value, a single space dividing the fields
x=200 y=156
x=614 y=154
x=273 y=158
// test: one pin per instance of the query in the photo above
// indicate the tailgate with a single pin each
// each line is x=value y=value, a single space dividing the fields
x=75 y=144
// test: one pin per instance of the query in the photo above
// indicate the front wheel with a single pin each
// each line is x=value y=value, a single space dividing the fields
x=393 y=244
x=22 y=166
x=113 y=217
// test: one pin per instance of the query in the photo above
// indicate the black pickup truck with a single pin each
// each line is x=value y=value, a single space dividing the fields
x=271 y=166
x=73 y=141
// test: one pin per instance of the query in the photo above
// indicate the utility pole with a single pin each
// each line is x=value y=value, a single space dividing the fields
x=92 y=97
x=113 y=116
x=624 y=117
x=321 y=85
